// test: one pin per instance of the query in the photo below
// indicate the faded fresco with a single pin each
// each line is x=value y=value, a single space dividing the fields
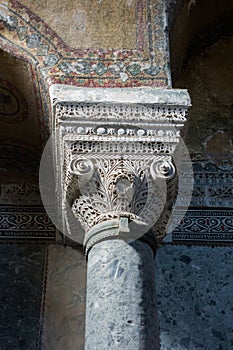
x=93 y=24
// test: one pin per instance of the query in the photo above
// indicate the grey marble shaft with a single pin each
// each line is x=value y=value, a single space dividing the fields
x=121 y=304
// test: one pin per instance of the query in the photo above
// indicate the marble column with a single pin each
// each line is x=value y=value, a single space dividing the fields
x=117 y=182
x=121 y=307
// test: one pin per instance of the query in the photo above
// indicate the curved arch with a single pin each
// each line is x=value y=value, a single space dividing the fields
x=84 y=67
x=39 y=83
x=25 y=36
x=29 y=33
x=196 y=25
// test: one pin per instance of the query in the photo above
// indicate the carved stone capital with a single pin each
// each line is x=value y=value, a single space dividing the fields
x=114 y=151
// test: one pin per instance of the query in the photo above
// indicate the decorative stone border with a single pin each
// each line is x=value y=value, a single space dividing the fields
x=205 y=226
x=84 y=67
x=25 y=223
x=209 y=217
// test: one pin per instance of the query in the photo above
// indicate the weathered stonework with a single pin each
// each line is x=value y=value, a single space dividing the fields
x=116 y=177
x=114 y=157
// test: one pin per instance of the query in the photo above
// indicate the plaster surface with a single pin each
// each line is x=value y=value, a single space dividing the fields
x=91 y=46
x=18 y=105
x=90 y=24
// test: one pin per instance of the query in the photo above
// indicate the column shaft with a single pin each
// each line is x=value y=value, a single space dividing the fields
x=121 y=302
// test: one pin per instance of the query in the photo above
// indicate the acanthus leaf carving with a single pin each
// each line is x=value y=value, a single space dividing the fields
x=115 y=159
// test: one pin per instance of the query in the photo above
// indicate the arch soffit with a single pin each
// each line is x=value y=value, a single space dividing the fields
x=196 y=26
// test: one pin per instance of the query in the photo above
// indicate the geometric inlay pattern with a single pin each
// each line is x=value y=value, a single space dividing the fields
x=25 y=222
x=209 y=219
x=205 y=226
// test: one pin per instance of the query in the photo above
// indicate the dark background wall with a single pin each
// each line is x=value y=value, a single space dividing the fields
x=22 y=277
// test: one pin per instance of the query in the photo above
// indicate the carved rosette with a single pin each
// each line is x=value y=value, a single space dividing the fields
x=114 y=151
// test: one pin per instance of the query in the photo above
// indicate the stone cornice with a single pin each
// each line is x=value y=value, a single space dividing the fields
x=146 y=95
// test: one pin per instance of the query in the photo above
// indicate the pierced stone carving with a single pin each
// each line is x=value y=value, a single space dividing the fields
x=119 y=187
x=127 y=112
x=114 y=152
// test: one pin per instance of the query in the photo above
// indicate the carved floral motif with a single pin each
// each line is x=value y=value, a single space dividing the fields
x=115 y=158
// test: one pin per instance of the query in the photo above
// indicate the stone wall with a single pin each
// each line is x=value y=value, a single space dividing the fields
x=22 y=281
x=194 y=293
